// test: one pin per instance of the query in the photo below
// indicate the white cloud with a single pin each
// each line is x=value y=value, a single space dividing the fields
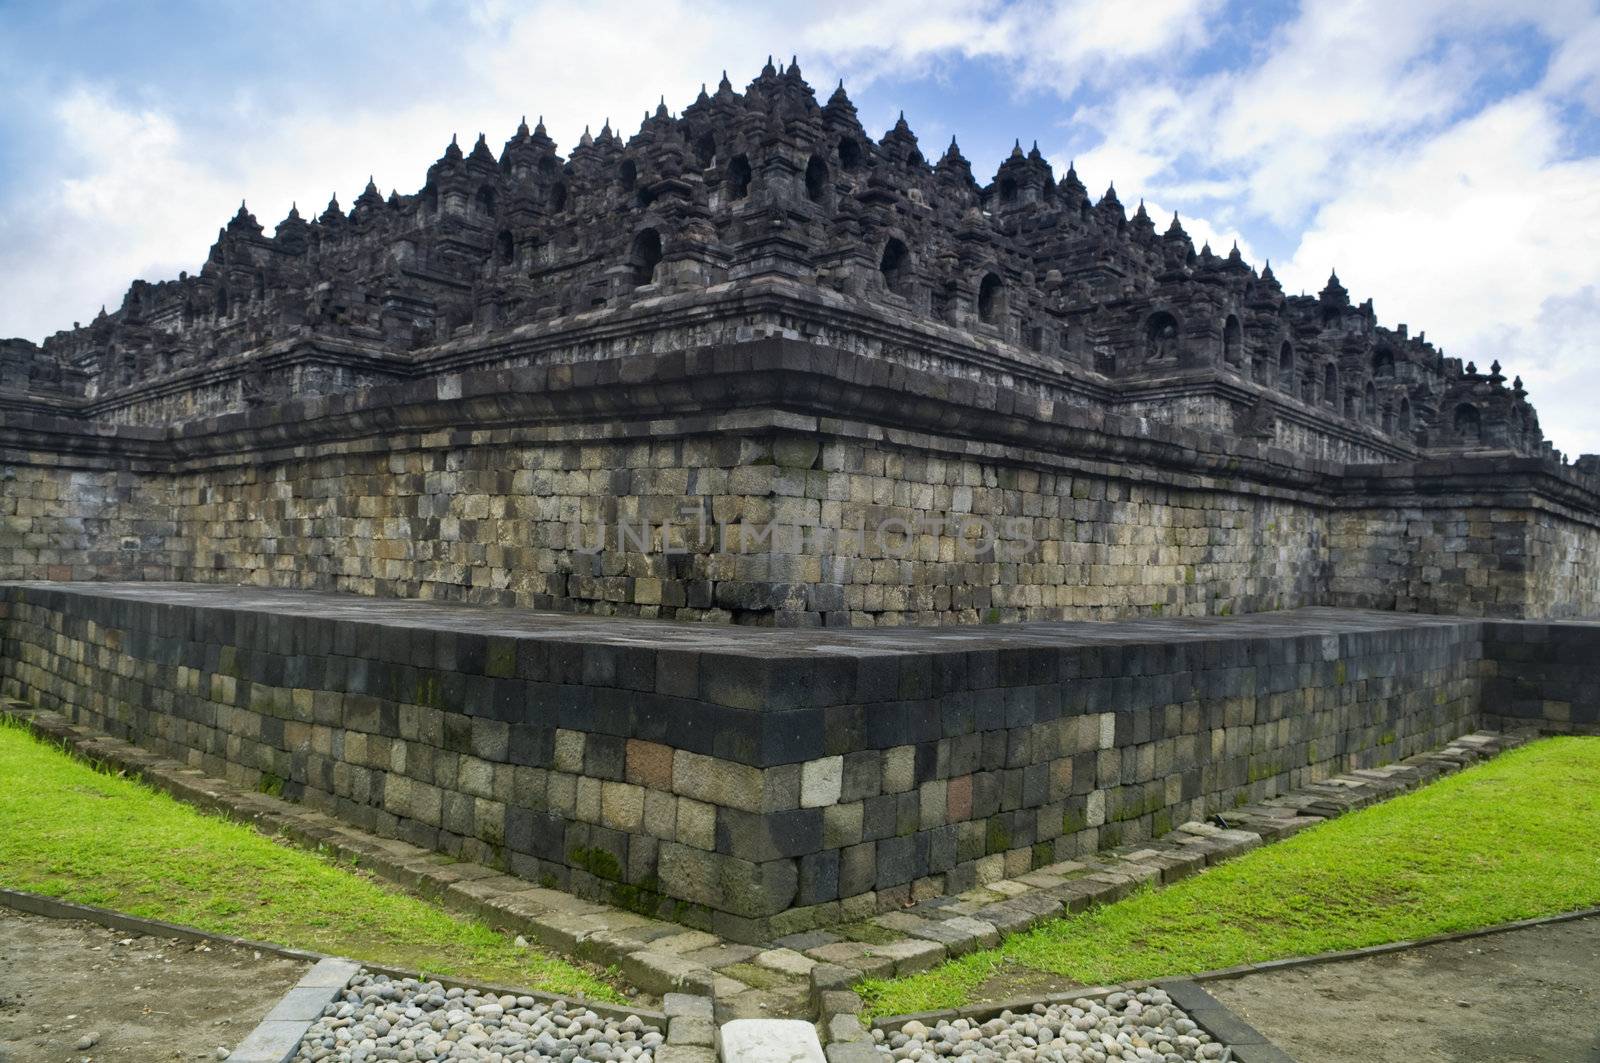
x=1057 y=45
x=1483 y=236
x=117 y=215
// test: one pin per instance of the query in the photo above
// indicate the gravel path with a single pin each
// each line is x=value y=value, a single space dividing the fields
x=1124 y=1026
x=377 y=1018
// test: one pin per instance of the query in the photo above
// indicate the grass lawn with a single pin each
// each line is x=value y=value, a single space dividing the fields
x=1510 y=839
x=70 y=831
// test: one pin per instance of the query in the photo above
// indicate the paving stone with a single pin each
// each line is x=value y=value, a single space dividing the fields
x=854 y=955
x=844 y=1027
x=910 y=956
x=692 y=1029
x=769 y=1041
x=853 y=1052
x=661 y=972
x=689 y=1005
x=685 y=942
x=786 y=961
x=672 y=1053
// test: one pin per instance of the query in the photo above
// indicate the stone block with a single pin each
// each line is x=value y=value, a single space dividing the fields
x=769 y=1041
x=821 y=782
x=739 y=887
x=622 y=806
x=649 y=764
x=899 y=769
x=696 y=824
x=722 y=782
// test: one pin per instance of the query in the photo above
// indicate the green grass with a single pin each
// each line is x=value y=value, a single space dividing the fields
x=1510 y=839
x=83 y=835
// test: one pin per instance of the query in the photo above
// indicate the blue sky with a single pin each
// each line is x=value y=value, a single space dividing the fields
x=1445 y=156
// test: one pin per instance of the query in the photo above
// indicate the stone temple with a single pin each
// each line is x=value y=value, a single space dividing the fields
x=755 y=368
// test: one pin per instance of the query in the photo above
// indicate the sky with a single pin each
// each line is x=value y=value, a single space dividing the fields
x=1443 y=155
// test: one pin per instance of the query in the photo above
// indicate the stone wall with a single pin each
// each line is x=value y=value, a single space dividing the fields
x=804 y=486
x=755 y=782
x=1492 y=539
x=1543 y=675
x=762 y=525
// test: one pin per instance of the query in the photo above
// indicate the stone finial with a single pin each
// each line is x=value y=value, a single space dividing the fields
x=1333 y=293
x=1072 y=188
x=480 y=151
x=369 y=198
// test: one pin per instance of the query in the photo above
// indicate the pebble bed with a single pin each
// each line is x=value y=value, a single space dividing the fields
x=378 y=1018
x=1123 y=1026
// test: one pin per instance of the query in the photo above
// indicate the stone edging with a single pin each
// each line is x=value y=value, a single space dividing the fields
x=809 y=972
x=1225 y=1025
x=277 y=1037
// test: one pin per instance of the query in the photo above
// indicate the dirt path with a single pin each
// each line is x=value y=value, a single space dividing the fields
x=1525 y=996
x=150 y=1000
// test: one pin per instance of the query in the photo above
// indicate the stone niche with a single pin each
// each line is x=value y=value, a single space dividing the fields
x=753 y=782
